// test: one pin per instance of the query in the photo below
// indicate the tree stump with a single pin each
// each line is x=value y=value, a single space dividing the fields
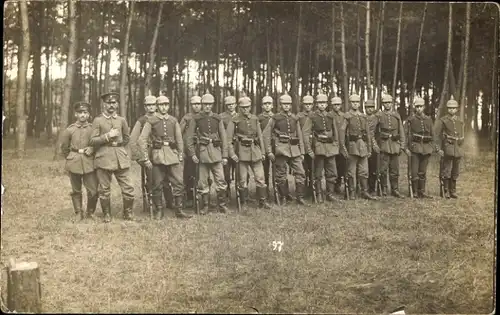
x=24 y=290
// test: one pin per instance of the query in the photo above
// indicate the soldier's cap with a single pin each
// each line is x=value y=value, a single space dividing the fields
x=244 y=101
x=452 y=103
x=267 y=99
x=387 y=98
x=195 y=99
x=354 y=98
x=321 y=98
x=336 y=100
x=207 y=98
x=419 y=101
x=162 y=99
x=370 y=103
x=285 y=99
x=150 y=100
x=110 y=97
x=308 y=99
x=229 y=100
x=81 y=106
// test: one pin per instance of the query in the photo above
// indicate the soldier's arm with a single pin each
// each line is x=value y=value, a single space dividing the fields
x=191 y=126
x=261 y=138
x=223 y=138
x=183 y=124
x=125 y=132
x=402 y=139
x=134 y=137
x=142 y=142
x=336 y=137
x=342 y=133
x=301 y=139
x=267 y=136
x=230 y=134
x=65 y=143
x=178 y=138
x=438 y=129
x=306 y=134
x=96 y=139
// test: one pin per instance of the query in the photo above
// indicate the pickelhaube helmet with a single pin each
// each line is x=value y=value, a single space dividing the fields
x=285 y=99
x=229 y=99
x=386 y=98
x=336 y=100
x=370 y=103
x=267 y=98
x=207 y=98
x=452 y=103
x=307 y=99
x=162 y=100
x=195 y=99
x=354 y=98
x=321 y=98
x=419 y=101
x=244 y=100
x=150 y=100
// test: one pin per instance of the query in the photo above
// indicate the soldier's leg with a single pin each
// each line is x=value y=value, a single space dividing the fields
x=384 y=166
x=422 y=174
x=125 y=181
x=174 y=175
x=227 y=176
x=158 y=179
x=289 y=196
x=394 y=174
x=352 y=161
x=242 y=183
x=188 y=174
x=319 y=165
x=167 y=194
x=281 y=179
x=416 y=160
x=260 y=183
x=104 y=191
x=331 y=177
x=446 y=174
x=300 y=176
x=341 y=172
x=267 y=174
x=203 y=188
x=455 y=171
x=362 y=166
x=90 y=182
x=306 y=165
x=372 y=172
x=76 y=195
x=148 y=184
x=220 y=186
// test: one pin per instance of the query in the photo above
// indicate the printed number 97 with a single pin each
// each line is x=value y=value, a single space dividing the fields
x=277 y=245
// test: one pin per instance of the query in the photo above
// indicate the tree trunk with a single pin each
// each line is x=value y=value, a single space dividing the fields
x=269 y=68
x=375 y=60
x=358 y=53
x=345 y=88
x=295 y=85
x=217 y=61
x=48 y=90
x=367 y=51
x=124 y=65
x=37 y=95
x=415 y=73
x=332 y=65
x=494 y=89
x=403 y=85
x=460 y=72
x=466 y=61
x=444 y=89
x=380 y=56
x=108 y=54
x=282 y=60
x=396 y=62
x=24 y=55
x=152 y=49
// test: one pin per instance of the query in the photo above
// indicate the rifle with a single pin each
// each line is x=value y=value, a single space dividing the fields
x=441 y=180
x=346 y=187
x=410 y=187
x=196 y=198
x=237 y=176
x=312 y=177
x=378 y=184
x=275 y=187
x=147 y=202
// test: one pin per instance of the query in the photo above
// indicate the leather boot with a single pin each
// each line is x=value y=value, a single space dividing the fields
x=128 y=204
x=106 y=209
x=228 y=192
x=416 y=189
x=283 y=193
x=221 y=196
x=421 y=190
x=288 y=195
x=91 y=206
x=330 y=188
x=76 y=199
x=261 y=195
x=352 y=189
x=204 y=204
x=338 y=186
x=319 y=192
x=299 y=191
x=157 y=207
x=394 y=187
x=453 y=189
x=446 y=184
x=169 y=198
x=178 y=208
x=243 y=198
x=363 y=184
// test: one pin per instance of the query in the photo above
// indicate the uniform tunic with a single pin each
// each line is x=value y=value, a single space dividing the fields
x=134 y=136
x=421 y=144
x=189 y=166
x=340 y=160
x=373 y=163
x=449 y=134
x=226 y=118
x=263 y=121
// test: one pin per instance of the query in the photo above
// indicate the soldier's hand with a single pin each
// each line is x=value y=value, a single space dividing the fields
x=271 y=157
x=148 y=164
x=235 y=158
x=88 y=151
x=195 y=159
x=407 y=152
x=344 y=153
x=441 y=153
x=224 y=161
x=181 y=157
x=113 y=133
x=263 y=158
x=376 y=149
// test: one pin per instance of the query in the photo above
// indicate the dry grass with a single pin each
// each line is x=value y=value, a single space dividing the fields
x=432 y=256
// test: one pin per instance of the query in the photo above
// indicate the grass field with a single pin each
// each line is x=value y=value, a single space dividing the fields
x=357 y=256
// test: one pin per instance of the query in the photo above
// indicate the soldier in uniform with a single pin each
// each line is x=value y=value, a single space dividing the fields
x=209 y=130
x=245 y=127
x=284 y=144
x=356 y=146
x=110 y=135
x=79 y=156
x=189 y=166
x=324 y=145
x=267 y=113
x=340 y=160
x=421 y=144
x=227 y=116
x=450 y=138
x=373 y=158
x=307 y=106
x=391 y=138
x=167 y=150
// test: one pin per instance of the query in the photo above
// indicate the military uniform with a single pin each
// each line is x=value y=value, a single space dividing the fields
x=390 y=136
x=356 y=143
x=112 y=158
x=283 y=139
x=80 y=164
x=419 y=129
x=449 y=135
x=189 y=166
x=340 y=160
x=306 y=135
x=248 y=147
x=263 y=120
x=226 y=117
x=211 y=136
x=164 y=133
x=373 y=159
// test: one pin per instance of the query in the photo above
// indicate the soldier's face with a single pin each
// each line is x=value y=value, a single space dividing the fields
x=370 y=110
x=268 y=106
x=110 y=106
x=286 y=107
x=321 y=105
x=207 y=107
x=307 y=106
x=196 y=107
x=355 y=105
x=150 y=108
x=163 y=108
x=245 y=110
x=82 y=116
x=387 y=105
x=336 y=107
x=231 y=107
x=419 y=109
x=452 y=110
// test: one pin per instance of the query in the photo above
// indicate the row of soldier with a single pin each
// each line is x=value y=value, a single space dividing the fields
x=352 y=148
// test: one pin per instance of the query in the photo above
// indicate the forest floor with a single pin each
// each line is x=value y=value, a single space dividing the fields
x=432 y=256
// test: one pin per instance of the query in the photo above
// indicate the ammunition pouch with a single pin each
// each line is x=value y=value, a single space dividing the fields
x=115 y=144
x=324 y=138
x=452 y=140
x=294 y=141
x=158 y=144
x=77 y=150
x=421 y=138
x=206 y=141
x=246 y=142
x=357 y=137
x=283 y=138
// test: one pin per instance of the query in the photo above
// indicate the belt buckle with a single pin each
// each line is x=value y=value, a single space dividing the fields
x=114 y=144
x=80 y=150
x=166 y=143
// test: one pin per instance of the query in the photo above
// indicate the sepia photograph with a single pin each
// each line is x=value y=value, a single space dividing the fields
x=270 y=157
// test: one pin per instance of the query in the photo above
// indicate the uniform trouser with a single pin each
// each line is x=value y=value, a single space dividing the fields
x=357 y=165
x=258 y=173
x=389 y=162
x=189 y=176
x=228 y=168
x=451 y=167
x=218 y=173
x=419 y=164
x=296 y=166
x=267 y=170
x=372 y=170
x=171 y=173
x=149 y=177
x=306 y=164
x=89 y=181
x=328 y=164
x=341 y=164
x=122 y=177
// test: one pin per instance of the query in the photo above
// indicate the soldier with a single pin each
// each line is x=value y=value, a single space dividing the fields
x=267 y=113
x=356 y=145
x=166 y=156
x=80 y=161
x=307 y=105
x=391 y=140
x=340 y=160
x=227 y=116
x=421 y=144
x=284 y=135
x=325 y=146
x=373 y=158
x=189 y=166
x=212 y=154
x=249 y=143
x=110 y=135
x=449 y=135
